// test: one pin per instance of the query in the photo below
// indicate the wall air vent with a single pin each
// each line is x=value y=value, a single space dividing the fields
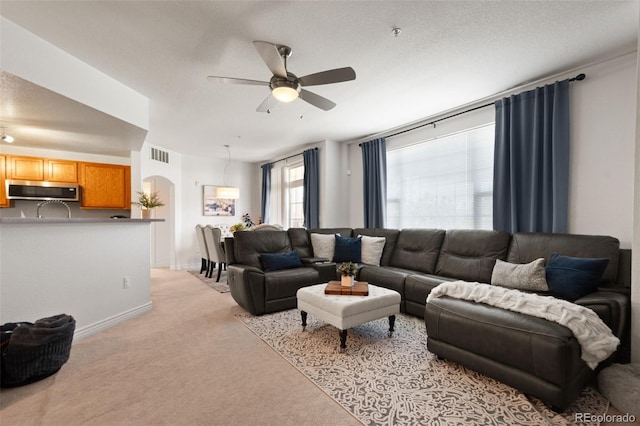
x=159 y=155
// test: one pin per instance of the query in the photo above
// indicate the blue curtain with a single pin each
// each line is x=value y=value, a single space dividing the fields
x=531 y=161
x=374 y=168
x=265 y=203
x=311 y=188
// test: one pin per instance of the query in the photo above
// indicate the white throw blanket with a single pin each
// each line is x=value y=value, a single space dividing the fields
x=595 y=338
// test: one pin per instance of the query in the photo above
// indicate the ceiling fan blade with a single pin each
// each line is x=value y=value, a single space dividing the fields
x=316 y=100
x=230 y=80
x=267 y=105
x=327 y=77
x=271 y=57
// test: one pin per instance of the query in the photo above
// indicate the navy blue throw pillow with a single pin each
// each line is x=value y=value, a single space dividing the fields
x=571 y=278
x=348 y=250
x=278 y=261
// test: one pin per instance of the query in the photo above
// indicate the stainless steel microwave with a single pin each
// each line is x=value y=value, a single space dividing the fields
x=35 y=190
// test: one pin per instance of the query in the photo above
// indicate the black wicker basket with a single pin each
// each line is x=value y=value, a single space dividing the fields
x=35 y=351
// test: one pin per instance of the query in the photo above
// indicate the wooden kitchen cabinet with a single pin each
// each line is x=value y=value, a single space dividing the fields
x=60 y=170
x=104 y=186
x=3 y=175
x=25 y=168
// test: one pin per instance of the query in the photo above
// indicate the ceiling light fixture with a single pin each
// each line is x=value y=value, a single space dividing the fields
x=284 y=90
x=227 y=192
x=5 y=137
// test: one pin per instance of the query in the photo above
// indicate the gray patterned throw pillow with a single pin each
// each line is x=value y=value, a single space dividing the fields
x=529 y=276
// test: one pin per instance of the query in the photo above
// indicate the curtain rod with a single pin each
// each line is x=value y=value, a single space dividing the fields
x=579 y=77
x=291 y=156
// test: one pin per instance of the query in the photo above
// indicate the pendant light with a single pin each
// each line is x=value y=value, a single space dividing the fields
x=227 y=192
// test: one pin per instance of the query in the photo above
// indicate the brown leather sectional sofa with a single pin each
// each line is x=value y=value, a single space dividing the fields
x=536 y=356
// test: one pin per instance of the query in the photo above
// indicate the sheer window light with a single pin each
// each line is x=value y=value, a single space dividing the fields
x=443 y=183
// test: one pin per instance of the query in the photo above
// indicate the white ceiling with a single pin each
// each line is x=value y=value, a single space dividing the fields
x=449 y=53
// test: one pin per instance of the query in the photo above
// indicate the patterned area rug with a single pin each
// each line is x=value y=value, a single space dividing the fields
x=394 y=380
x=220 y=286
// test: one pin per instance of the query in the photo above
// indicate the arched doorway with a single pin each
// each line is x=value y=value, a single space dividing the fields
x=162 y=233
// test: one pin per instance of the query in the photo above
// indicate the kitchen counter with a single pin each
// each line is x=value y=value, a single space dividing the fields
x=32 y=220
x=94 y=269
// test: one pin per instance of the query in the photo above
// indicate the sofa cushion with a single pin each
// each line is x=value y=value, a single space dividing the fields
x=417 y=249
x=285 y=283
x=572 y=277
x=529 y=276
x=347 y=249
x=372 y=248
x=384 y=276
x=391 y=239
x=248 y=246
x=525 y=247
x=278 y=261
x=301 y=242
x=470 y=255
x=323 y=245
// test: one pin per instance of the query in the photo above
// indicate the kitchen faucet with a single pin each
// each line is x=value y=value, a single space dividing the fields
x=44 y=203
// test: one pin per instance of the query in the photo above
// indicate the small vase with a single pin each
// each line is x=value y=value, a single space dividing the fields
x=147 y=213
x=347 y=281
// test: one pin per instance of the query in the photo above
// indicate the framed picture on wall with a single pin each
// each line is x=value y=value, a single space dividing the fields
x=213 y=205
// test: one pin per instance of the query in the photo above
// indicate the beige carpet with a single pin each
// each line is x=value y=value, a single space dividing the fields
x=187 y=362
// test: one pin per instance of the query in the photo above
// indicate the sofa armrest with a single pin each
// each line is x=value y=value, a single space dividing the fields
x=613 y=308
x=247 y=287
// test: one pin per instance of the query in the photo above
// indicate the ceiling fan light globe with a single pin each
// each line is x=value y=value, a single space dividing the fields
x=285 y=94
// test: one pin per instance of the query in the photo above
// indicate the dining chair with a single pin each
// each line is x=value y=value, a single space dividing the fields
x=213 y=238
x=202 y=245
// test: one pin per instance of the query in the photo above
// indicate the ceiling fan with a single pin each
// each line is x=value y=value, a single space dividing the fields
x=286 y=86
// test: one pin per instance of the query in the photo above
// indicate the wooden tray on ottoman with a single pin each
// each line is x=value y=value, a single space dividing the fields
x=360 y=288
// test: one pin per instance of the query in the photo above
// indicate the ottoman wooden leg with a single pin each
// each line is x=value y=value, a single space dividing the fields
x=392 y=322
x=304 y=319
x=343 y=340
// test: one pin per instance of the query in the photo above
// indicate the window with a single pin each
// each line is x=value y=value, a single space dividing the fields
x=442 y=183
x=294 y=199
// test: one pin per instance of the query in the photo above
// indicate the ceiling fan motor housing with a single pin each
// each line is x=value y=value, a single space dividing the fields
x=285 y=89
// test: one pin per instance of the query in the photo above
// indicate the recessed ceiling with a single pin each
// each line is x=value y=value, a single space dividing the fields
x=449 y=53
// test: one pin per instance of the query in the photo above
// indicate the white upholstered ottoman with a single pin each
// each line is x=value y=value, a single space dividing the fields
x=344 y=311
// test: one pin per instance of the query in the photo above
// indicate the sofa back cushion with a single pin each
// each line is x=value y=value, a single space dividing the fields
x=300 y=241
x=417 y=249
x=470 y=254
x=249 y=245
x=390 y=236
x=526 y=247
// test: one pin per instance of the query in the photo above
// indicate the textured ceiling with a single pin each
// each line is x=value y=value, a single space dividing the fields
x=449 y=53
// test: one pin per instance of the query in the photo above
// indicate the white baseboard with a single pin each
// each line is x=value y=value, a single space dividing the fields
x=106 y=323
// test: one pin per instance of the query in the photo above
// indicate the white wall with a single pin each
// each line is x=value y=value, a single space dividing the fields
x=603 y=121
x=603 y=111
x=74 y=268
x=188 y=174
x=334 y=181
x=199 y=171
